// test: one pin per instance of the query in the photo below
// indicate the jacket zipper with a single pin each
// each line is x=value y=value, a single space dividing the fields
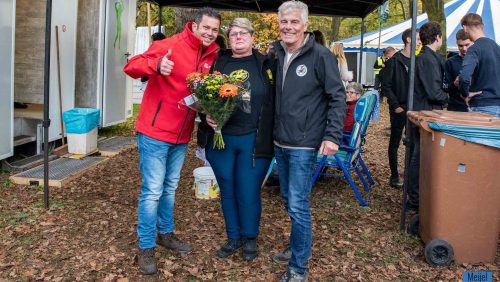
x=261 y=109
x=198 y=55
x=156 y=114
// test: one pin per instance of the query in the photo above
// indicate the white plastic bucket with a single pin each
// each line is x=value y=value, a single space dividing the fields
x=205 y=184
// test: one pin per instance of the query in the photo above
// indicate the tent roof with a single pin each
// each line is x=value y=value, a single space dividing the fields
x=454 y=11
x=347 y=8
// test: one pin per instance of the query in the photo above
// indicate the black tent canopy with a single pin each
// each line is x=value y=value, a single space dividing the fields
x=345 y=8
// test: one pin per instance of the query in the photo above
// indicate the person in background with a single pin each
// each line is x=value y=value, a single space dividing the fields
x=479 y=80
x=319 y=37
x=241 y=166
x=345 y=74
x=380 y=64
x=395 y=82
x=164 y=128
x=429 y=95
x=353 y=91
x=309 y=115
x=221 y=41
x=452 y=69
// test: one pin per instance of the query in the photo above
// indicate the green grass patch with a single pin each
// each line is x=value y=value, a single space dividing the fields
x=125 y=128
x=16 y=218
x=403 y=238
x=392 y=259
x=6 y=183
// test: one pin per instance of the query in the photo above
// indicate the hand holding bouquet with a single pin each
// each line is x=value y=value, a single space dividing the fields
x=218 y=95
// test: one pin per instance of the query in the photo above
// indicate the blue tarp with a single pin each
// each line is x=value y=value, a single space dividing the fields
x=481 y=135
x=81 y=120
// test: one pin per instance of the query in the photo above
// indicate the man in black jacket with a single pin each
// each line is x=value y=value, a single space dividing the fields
x=395 y=81
x=429 y=94
x=309 y=115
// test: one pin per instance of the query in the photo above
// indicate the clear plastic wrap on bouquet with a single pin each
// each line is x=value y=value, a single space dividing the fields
x=192 y=102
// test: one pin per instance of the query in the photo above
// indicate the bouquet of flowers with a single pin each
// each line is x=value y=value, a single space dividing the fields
x=217 y=95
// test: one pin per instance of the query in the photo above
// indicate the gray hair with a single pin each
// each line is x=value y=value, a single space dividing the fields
x=243 y=23
x=356 y=87
x=294 y=5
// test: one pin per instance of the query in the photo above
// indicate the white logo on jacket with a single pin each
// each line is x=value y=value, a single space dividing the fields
x=301 y=70
x=207 y=66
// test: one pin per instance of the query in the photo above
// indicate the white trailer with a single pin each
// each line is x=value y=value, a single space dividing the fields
x=95 y=37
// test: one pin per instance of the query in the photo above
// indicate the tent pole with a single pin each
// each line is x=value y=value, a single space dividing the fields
x=409 y=137
x=360 y=67
x=46 y=99
x=159 y=18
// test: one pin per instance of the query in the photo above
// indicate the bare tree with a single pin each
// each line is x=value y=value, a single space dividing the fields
x=336 y=21
x=182 y=16
x=435 y=12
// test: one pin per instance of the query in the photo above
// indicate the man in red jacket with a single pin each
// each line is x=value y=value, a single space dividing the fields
x=164 y=128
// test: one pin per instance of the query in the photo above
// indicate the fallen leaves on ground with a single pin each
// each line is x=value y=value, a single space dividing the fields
x=89 y=233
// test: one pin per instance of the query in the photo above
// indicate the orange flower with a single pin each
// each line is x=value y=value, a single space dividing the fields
x=228 y=90
x=192 y=76
x=217 y=73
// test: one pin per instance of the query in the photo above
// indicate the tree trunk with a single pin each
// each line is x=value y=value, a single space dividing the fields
x=182 y=16
x=403 y=9
x=435 y=12
x=336 y=21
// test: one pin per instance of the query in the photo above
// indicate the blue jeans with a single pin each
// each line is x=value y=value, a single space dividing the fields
x=239 y=182
x=160 y=165
x=492 y=110
x=295 y=169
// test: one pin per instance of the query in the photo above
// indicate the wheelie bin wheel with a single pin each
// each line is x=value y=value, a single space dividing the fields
x=438 y=252
x=413 y=226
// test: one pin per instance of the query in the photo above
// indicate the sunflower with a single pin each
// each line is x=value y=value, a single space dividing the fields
x=228 y=90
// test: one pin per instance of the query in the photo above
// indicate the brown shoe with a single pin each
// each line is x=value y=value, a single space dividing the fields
x=171 y=242
x=147 y=261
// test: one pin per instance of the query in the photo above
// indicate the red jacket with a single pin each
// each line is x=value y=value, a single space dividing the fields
x=160 y=116
x=349 y=116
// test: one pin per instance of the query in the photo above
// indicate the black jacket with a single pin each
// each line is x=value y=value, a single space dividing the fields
x=264 y=144
x=452 y=69
x=429 y=73
x=395 y=82
x=310 y=97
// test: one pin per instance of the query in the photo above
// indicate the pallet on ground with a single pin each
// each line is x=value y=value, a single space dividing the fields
x=61 y=171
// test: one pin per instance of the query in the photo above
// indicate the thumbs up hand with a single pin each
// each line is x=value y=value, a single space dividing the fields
x=166 y=65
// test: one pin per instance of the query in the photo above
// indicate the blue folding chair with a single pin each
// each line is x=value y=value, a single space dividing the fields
x=348 y=157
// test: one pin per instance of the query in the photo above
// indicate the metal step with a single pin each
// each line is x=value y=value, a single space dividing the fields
x=61 y=171
x=112 y=146
x=26 y=163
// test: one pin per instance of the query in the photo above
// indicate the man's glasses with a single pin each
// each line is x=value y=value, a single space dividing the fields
x=240 y=33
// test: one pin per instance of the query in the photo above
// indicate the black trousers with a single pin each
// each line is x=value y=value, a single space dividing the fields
x=398 y=123
x=414 y=169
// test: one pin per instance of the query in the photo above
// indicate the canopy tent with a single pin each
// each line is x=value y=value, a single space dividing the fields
x=454 y=11
x=346 y=8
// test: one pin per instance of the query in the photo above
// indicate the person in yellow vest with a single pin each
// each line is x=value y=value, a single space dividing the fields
x=380 y=63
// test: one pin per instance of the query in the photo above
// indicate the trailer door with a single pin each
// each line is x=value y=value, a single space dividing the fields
x=7 y=28
x=114 y=81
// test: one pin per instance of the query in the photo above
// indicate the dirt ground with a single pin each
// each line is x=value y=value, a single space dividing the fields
x=88 y=234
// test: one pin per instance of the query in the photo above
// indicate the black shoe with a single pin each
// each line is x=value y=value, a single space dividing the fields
x=292 y=276
x=250 y=249
x=283 y=257
x=396 y=182
x=147 y=261
x=170 y=241
x=230 y=247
